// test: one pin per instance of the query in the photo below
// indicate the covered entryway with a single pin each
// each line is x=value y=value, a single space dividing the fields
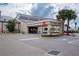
x=32 y=30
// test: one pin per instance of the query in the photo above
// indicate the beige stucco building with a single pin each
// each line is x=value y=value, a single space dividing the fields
x=51 y=27
x=47 y=27
x=43 y=27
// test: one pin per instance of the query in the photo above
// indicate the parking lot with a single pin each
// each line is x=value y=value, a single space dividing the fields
x=35 y=45
x=66 y=45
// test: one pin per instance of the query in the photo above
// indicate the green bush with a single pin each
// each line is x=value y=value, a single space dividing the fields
x=11 y=25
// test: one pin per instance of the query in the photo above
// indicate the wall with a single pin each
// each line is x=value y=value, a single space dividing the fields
x=23 y=27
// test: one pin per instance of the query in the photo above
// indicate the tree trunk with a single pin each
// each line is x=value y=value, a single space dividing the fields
x=62 y=27
x=68 y=27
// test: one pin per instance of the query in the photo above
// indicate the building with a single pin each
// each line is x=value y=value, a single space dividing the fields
x=44 y=27
x=27 y=25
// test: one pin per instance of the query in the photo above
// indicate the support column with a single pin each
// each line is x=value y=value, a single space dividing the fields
x=2 y=27
x=49 y=27
x=18 y=27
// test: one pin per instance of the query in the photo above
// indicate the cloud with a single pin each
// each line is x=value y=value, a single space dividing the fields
x=41 y=9
x=4 y=4
x=12 y=8
x=38 y=9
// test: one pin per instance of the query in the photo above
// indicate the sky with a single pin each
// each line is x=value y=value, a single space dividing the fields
x=49 y=10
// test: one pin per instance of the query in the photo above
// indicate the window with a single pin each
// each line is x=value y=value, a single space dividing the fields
x=45 y=28
x=52 y=29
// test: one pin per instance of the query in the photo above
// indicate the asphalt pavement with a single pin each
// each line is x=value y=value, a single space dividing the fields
x=35 y=45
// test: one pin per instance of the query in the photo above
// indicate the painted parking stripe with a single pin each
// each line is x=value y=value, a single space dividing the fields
x=28 y=38
x=74 y=42
x=64 y=39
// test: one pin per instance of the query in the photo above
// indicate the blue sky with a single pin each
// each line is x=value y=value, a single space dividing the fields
x=38 y=9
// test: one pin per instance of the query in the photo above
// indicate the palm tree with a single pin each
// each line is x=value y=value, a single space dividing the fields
x=70 y=15
x=66 y=14
x=62 y=16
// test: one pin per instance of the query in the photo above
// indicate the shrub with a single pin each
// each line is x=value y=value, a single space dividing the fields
x=11 y=25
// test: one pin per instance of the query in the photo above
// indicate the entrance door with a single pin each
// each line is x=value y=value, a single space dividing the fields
x=32 y=30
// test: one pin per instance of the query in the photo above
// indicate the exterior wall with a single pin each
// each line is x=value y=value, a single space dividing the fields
x=54 y=28
x=4 y=27
x=40 y=30
x=23 y=27
x=50 y=25
x=49 y=31
x=57 y=26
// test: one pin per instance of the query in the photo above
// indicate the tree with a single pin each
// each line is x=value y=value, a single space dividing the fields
x=66 y=14
x=11 y=25
x=62 y=16
x=70 y=15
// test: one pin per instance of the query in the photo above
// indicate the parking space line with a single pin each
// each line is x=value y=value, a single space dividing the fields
x=73 y=42
x=64 y=39
x=29 y=38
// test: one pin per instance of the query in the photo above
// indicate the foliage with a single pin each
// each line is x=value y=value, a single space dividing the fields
x=66 y=14
x=11 y=25
x=70 y=15
x=62 y=14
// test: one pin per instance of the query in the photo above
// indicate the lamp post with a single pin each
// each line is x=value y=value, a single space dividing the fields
x=0 y=15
